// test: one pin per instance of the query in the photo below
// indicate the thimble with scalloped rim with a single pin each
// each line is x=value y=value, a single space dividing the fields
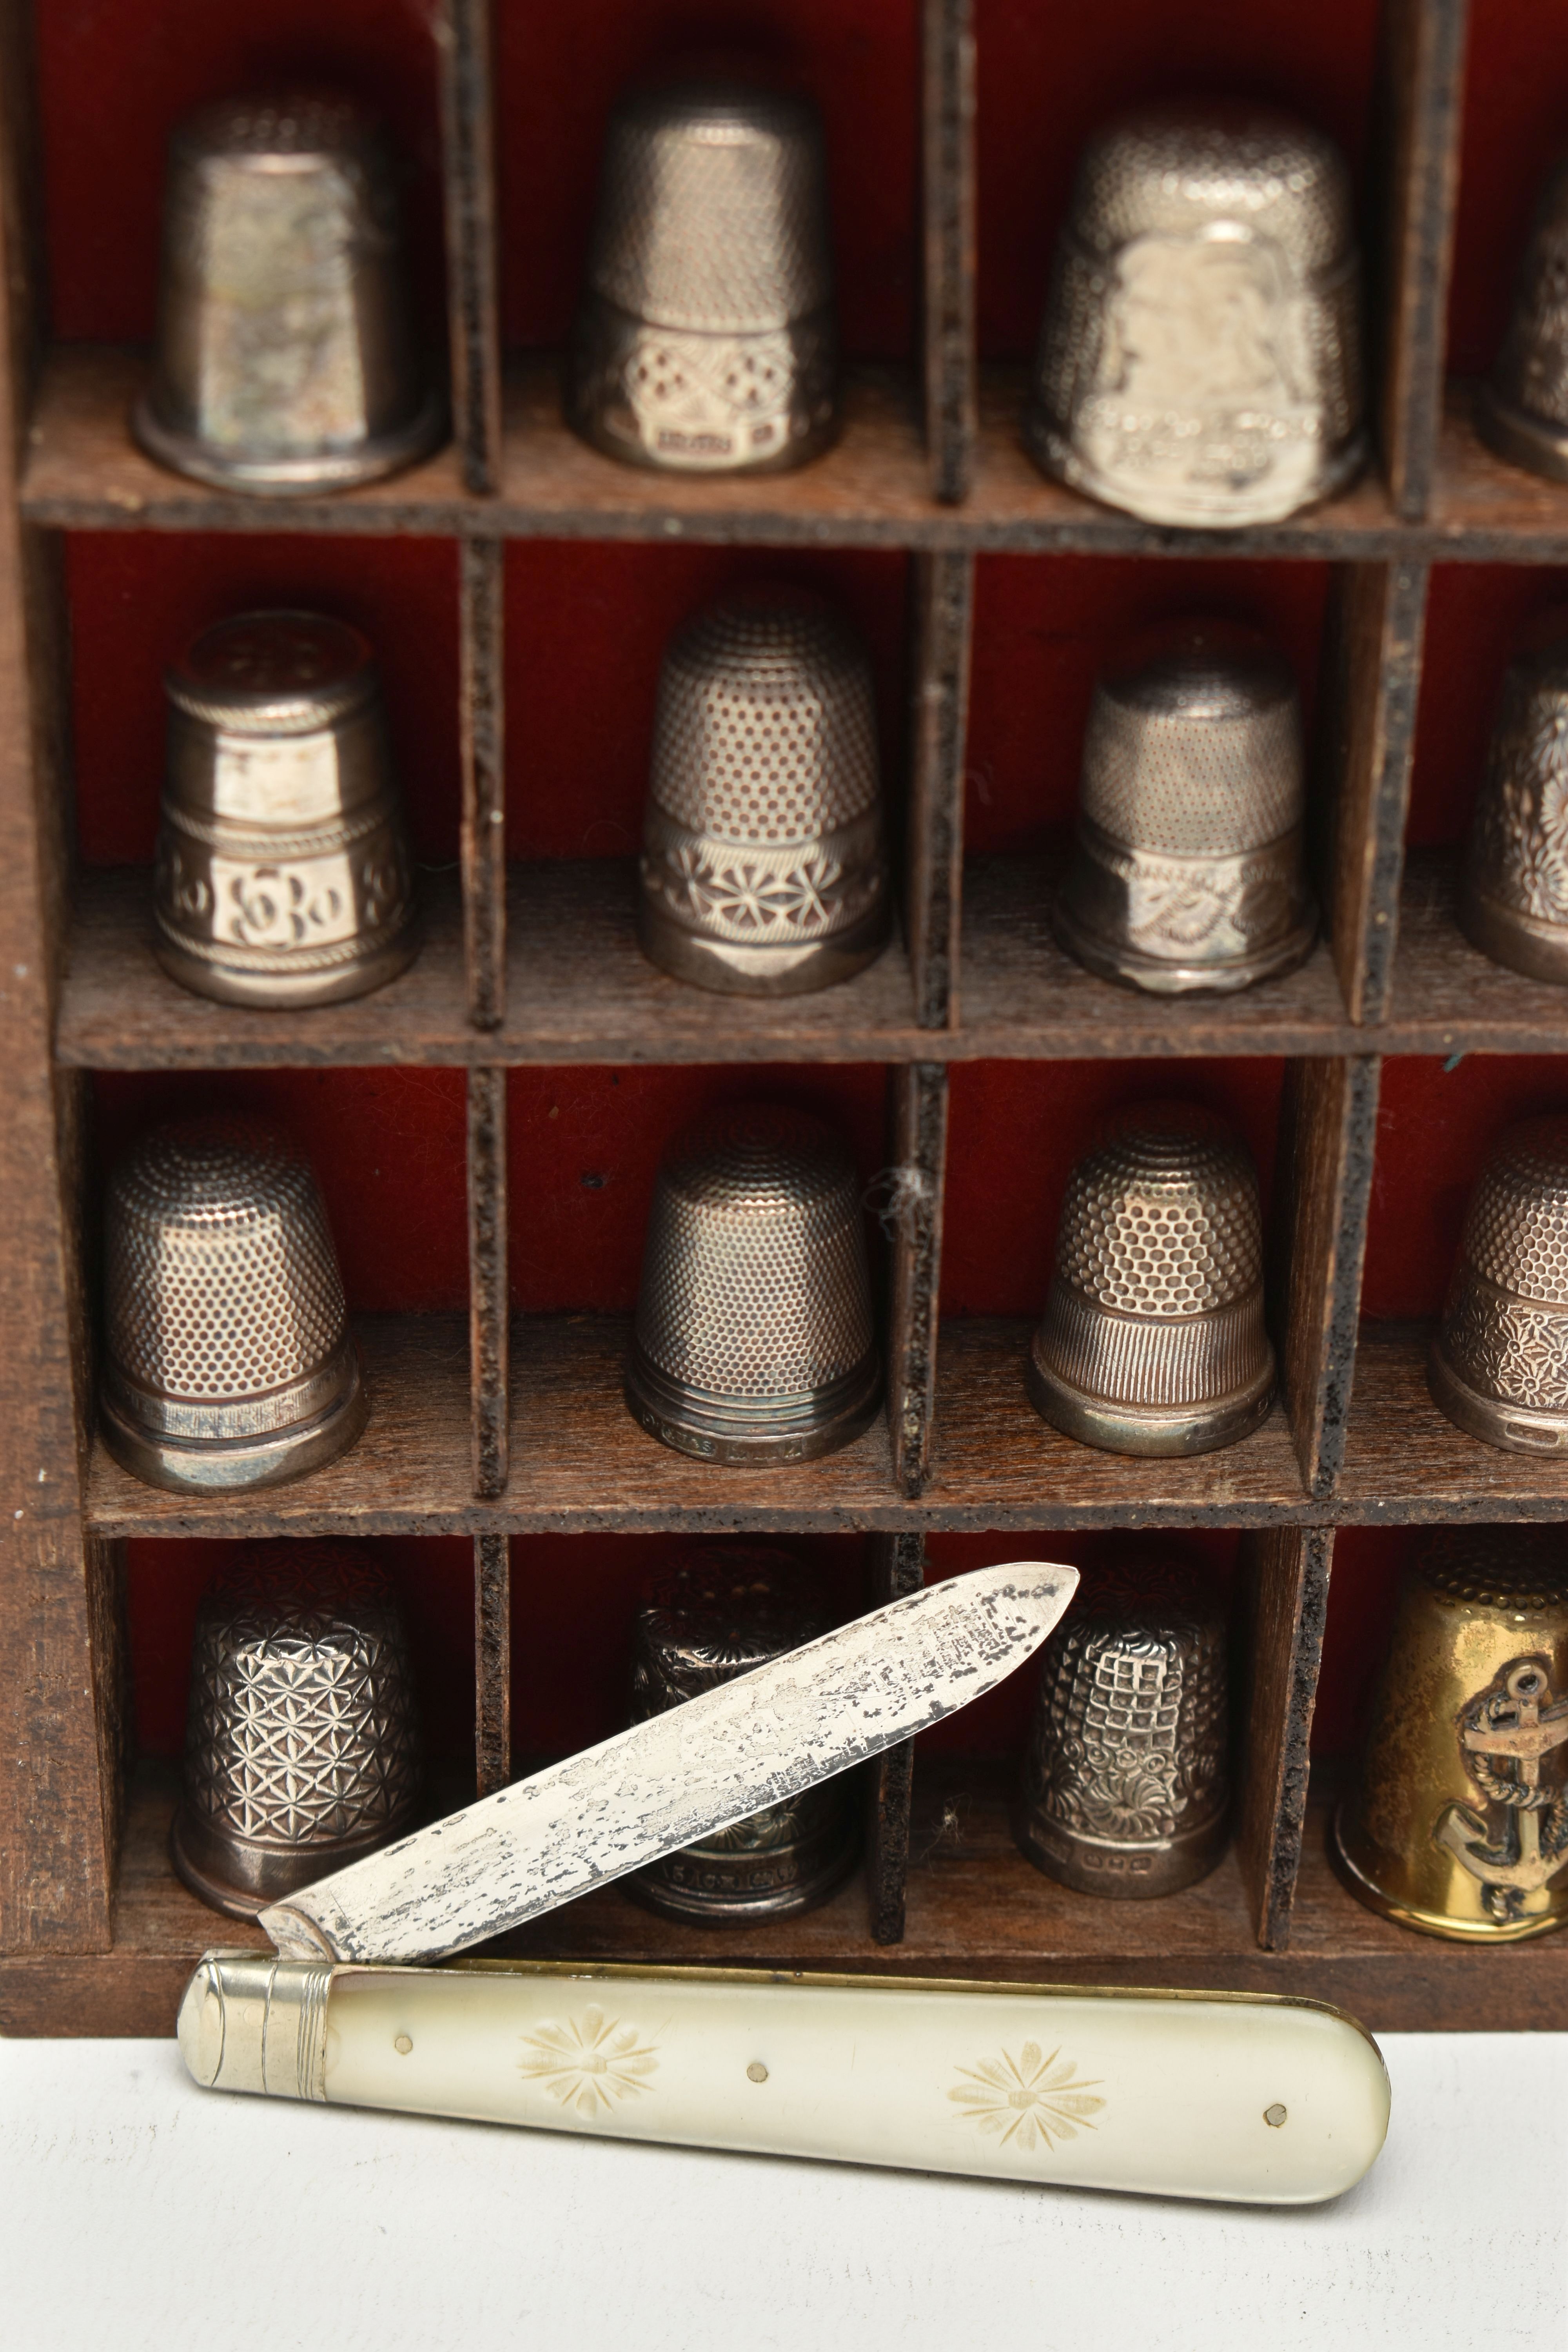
x=1498 y=1364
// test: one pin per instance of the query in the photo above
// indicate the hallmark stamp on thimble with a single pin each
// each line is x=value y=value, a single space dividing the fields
x=1523 y=411
x=1513 y=886
x=1499 y=1362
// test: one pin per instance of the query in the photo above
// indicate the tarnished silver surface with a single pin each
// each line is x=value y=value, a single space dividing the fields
x=1126 y=1786
x=286 y=361
x=1513 y=886
x=1524 y=409
x=764 y=871
x=301 y=1739
x=725 y=1610
x=682 y=1774
x=753 y=1339
x=1499 y=1365
x=283 y=874
x=706 y=340
x=1200 y=358
x=1153 y=1339
x=227 y=1357
x=1188 y=870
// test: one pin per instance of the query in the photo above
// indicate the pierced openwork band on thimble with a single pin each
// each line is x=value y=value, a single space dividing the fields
x=1522 y=410
x=1188 y=870
x=705 y=342
x=227 y=1356
x=753 y=1340
x=726 y=1609
x=286 y=362
x=302 y=1745
x=283 y=874
x=1457 y=1821
x=1499 y=1365
x=1513 y=888
x=1199 y=362
x=764 y=869
x=1152 y=1339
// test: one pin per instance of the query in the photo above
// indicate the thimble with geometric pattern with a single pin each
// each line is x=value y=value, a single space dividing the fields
x=1126 y=1784
x=753 y=1340
x=1153 y=1339
x=725 y=1610
x=1187 y=871
x=1513 y=884
x=302 y=1740
x=1199 y=362
x=283 y=873
x=1498 y=1364
x=286 y=361
x=1522 y=410
x=227 y=1359
x=764 y=870
x=706 y=340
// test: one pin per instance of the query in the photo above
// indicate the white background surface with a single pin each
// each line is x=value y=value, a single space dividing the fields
x=136 y=2210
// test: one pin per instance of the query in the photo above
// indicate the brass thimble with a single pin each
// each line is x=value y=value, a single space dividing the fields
x=1188 y=870
x=1126 y=1789
x=286 y=361
x=1523 y=411
x=227 y=1356
x=302 y=1737
x=706 y=340
x=764 y=871
x=1458 y=1820
x=1153 y=1339
x=753 y=1340
x=726 y=1609
x=283 y=874
x=1513 y=888
x=1498 y=1364
x=1199 y=362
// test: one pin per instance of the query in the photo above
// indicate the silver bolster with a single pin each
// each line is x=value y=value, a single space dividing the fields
x=250 y=2022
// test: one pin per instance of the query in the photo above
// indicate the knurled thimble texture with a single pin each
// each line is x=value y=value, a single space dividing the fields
x=1499 y=1365
x=1191 y=754
x=1521 y=1572
x=1532 y=372
x=1176 y=169
x=1162 y=1219
x=1513 y=899
x=302 y=123
x=1516 y=1227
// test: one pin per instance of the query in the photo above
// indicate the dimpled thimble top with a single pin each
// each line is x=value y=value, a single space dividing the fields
x=1163 y=1218
x=1195 y=752
x=1516 y=1227
x=724 y=1610
x=1531 y=368
x=1518 y=1573
x=274 y=673
x=1175 y=170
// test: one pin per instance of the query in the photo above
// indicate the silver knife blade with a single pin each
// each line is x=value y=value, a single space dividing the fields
x=682 y=1775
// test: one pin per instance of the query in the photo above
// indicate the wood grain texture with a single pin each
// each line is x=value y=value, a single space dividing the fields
x=490 y=1303
x=481 y=721
x=897 y=1566
x=1371 y=680
x=945 y=619
x=492 y=1664
x=1421 y=95
x=919 y=1118
x=947 y=196
x=1406 y=1464
x=1324 y=1186
x=1287 y=1584
x=464 y=44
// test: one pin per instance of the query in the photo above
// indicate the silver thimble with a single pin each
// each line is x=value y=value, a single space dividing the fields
x=286 y=361
x=753 y=1339
x=283 y=874
x=706 y=338
x=764 y=872
x=1152 y=1337
x=227 y=1356
x=301 y=1739
x=1499 y=1365
x=1513 y=888
x=1523 y=411
x=1200 y=362
x=723 y=1611
x=1188 y=871
x=1125 y=1788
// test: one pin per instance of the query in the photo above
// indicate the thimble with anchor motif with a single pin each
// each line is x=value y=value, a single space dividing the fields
x=1188 y=870
x=286 y=362
x=764 y=871
x=1513 y=888
x=227 y=1356
x=1457 y=1822
x=706 y=340
x=1523 y=411
x=302 y=1739
x=1125 y=1788
x=283 y=873
x=1199 y=361
x=753 y=1340
x=726 y=1609
x=1498 y=1364
x=1152 y=1339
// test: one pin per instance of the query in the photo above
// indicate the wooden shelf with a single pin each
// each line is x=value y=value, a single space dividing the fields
x=1447 y=997
x=1405 y=1463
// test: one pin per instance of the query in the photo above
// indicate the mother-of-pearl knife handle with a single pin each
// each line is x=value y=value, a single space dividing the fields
x=1226 y=2095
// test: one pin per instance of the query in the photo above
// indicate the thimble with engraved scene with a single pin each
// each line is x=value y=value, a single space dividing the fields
x=1188 y=870
x=302 y=1737
x=283 y=874
x=1523 y=411
x=1513 y=888
x=764 y=869
x=726 y=1609
x=753 y=1340
x=286 y=361
x=1499 y=1365
x=706 y=338
x=1152 y=1339
x=1199 y=361
x=227 y=1356
x=1125 y=1787
x=1457 y=1821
